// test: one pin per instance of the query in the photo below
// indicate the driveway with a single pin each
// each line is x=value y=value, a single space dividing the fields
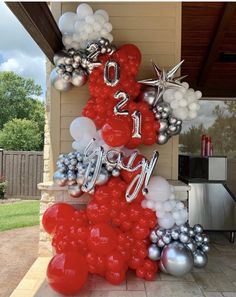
x=18 y=250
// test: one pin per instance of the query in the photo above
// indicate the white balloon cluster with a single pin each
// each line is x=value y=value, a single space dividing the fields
x=183 y=101
x=83 y=26
x=161 y=199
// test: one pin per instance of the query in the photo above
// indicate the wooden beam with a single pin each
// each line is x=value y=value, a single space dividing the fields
x=38 y=20
x=212 y=53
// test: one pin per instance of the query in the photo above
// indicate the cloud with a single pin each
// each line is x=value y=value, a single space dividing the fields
x=18 y=51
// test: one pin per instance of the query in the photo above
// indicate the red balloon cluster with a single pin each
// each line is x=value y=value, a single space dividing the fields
x=106 y=238
x=117 y=130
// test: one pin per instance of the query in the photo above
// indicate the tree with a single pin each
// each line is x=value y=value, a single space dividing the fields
x=20 y=134
x=18 y=99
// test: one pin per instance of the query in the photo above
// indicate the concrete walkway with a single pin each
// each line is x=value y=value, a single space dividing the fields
x=18 y=250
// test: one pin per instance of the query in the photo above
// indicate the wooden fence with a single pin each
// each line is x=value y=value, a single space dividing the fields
x=23 y=171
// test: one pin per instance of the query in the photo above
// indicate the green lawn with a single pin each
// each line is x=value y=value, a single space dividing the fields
x=19 y=214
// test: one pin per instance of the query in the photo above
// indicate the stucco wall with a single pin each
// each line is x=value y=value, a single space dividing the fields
x=156 y=29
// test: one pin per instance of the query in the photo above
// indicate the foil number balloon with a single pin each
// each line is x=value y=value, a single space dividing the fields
x=136 y=115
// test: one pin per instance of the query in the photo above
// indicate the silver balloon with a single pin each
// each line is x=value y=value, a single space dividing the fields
x=197 y=228
x=148 y=94
x=59 y=178
x=192 y=245
x=115 y=172
x=79 y=77
x=71 y=179
x=163 y=125
x=59 y=58
x=160 y=243
x=66 y=76
x=59 y=83
x=160 y=232
x=61 y=167
x=75 y=191
x=206 y=238
x=184 y=228
x=80 y=178
x=166 y=238
x=73 y=161
x=102 y=177
x=162 y=138
x=77 y=58
x=191 y=232
x=175 y=234
x=69 y=68
x=172 y=120
x=177 y=259
x=176 y=130
x=154 y=252
x=162 y=268
x=205 y=248
x=184 y=237
x=199 y=238
x=153 y=236
x=200 y=259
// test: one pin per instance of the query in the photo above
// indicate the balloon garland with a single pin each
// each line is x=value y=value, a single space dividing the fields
x=133 y=220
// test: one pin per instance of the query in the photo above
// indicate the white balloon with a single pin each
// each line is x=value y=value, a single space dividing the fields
x=89 y=28
x=103 y=13
x=100 y=19
x=167 y=205
x=90 y=19
x=159 y=206
x=84 y=10
x=108 y=27
x=75 y=45
x=103 y=32
x=181 y=113
x=67 y=39
x=183 y=103
x=80 y=26
x=150 y=204
x=67 y=21
x=179 y=205
x=178 y=95
x=174 y=104
x=158 y=189
x=144 y=203
x=109 y=37
x=172 y=196
x=160 y=214
x=193 y=106
x=97 y=27
x=82 y=127
x=167 y=221
x=176 y=215
x=168 y=95
x=94 y=36
x=198 y=94
x=185 y=85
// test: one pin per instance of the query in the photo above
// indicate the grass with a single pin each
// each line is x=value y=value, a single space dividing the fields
x=19 y=214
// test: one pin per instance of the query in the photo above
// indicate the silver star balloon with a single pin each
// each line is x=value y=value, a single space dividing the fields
x=163 y=80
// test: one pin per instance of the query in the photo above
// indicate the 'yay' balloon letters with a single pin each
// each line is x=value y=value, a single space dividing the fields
x=136 y=115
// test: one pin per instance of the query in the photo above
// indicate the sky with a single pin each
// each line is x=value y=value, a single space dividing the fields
x=18 y=51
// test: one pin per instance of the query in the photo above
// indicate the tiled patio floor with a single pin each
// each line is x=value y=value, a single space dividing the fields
x=218 y=279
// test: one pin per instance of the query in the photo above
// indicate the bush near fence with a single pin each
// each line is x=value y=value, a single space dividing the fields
x=23 y=171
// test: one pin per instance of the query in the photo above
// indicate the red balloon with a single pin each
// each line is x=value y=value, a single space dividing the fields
x=116 y=132
x=115 y=261
x=115 y=277
x=132 y=52
x=67 y=273
x=59 y=213
x=102 y=239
